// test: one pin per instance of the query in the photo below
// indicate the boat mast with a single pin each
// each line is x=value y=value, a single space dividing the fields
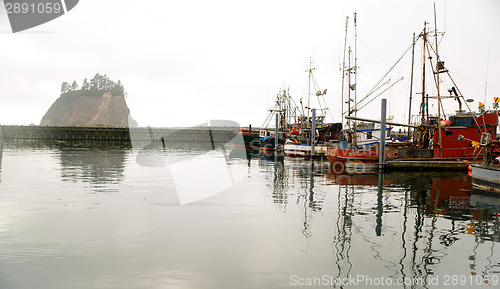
x=424 y=103
x=282 y=111
x=349 y=86
x=343 y=69
x=309 y=123
x=355 y=139
x=309 y=88
x=437 y=81
x=411 y=83
x=288 y=110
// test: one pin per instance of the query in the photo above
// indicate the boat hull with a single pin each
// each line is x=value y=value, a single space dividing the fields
x=456 y=145
x=304 y=150
x=248 y=141
x=341 y=156
x=486 y=176
x=268 y=145
x=338 y=156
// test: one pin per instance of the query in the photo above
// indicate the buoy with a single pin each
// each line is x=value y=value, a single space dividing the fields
x=446 y=122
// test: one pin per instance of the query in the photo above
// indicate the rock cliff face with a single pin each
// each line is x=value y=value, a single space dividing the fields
x=77 y=109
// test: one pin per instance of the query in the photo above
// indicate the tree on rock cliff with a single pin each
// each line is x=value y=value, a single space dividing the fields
x=74 y=86
x=64 y=87
x=94 y=82
x=98 y=85
x=85 y=84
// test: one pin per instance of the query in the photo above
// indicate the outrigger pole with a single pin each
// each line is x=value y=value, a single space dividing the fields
x=378 y=121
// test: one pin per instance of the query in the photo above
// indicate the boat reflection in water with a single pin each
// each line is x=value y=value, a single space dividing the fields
x=397 y=224
x=1 y=152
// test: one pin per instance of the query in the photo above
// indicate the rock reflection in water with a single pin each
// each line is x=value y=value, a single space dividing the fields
x=96 y=163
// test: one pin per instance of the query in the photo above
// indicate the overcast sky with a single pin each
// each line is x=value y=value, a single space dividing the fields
x=183 y=62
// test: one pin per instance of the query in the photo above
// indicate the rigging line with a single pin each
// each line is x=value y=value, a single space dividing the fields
x=317 y=88
x=436 y=33
x=327 y=108
x=486 y=82
x=463 y=78
x=390 y=69
x=465 y=101
x=295 y=105
x=381 y=93
x=435 y=73
x=431 y=44
x=267 y=119
x=379 y=87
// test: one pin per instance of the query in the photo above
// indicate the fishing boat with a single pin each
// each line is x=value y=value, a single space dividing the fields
x=300 y=145
x=359 y=140
x=284 y=111
x=249 y=140
x=458 y=135
x=486 y=176
x=311 y=134
x=435 y=138
x=368 y=134
x=267 y=143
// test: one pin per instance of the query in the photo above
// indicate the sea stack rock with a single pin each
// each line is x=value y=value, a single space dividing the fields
x=101 y=105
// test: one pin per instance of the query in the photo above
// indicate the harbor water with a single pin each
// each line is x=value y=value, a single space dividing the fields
x=106 y=215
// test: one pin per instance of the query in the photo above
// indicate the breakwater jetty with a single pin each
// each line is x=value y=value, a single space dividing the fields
x=191 y=134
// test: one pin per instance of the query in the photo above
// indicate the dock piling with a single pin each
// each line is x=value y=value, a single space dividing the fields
x=313 y=131
x=381 y=161
x=276 y=133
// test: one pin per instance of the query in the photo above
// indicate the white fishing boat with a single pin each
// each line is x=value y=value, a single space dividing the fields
x=368 y=134
x=311 y=129
x=295 y=149
x=486 y=176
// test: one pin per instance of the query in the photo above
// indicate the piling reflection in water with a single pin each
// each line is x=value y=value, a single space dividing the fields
x=1 y=152
x=1 y=145
x=429 y=221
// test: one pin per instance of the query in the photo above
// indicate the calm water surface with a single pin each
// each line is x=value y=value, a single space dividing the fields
x=84 y=215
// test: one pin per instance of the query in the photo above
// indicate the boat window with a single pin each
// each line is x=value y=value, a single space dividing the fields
x=449 y=133
x=369 y=135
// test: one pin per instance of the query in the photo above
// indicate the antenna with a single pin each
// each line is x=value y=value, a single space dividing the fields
x=486 y=83
x=444 y=31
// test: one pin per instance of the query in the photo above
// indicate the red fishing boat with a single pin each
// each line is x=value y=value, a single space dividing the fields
x=459 y=141
x=435 y=137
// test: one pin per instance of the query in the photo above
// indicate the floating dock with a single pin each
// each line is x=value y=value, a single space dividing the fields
x=445 y=165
